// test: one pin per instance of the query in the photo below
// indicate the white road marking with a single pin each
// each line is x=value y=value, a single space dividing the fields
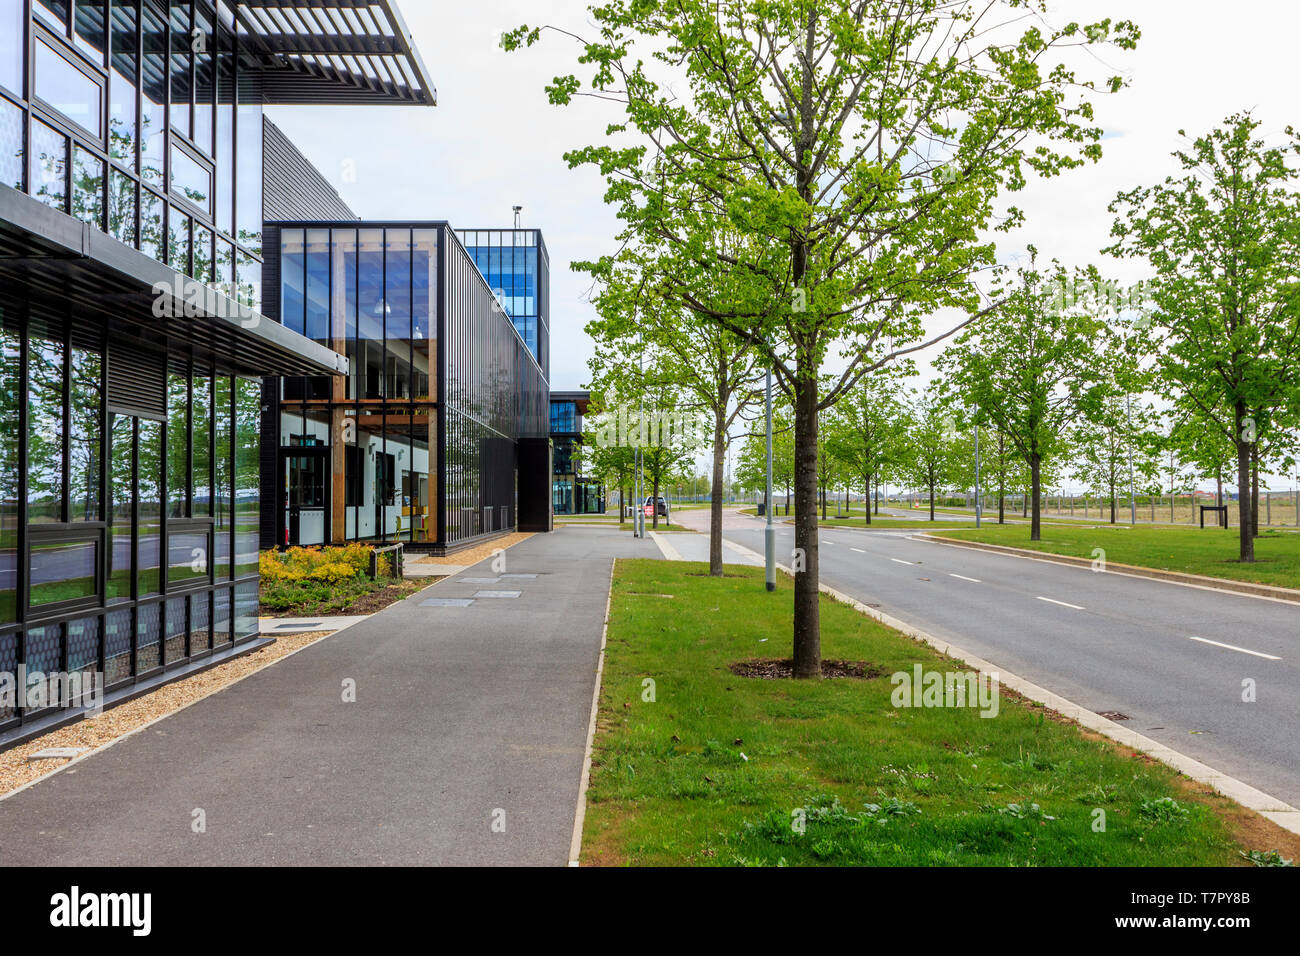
x=1062 y=603
x=859 y=550
x=1234 y=647
x=900 y=561
x=824 y=541
x=964 y=578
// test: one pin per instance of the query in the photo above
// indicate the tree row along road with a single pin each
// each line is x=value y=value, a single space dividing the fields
x=1108 y=642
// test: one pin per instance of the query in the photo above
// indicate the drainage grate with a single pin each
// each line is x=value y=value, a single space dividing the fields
x=447 y=602
x=1112 y=715
x=497 y=594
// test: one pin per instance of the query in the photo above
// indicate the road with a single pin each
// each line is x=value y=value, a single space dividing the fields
x=1109 y=642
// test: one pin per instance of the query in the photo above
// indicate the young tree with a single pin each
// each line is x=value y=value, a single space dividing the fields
x=1030 y=372
x=1117 y=439
x=1224 y=243
x=929 y=460
x=868 y=431
x=860 y=147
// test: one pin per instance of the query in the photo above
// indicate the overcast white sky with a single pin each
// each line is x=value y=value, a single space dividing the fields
x=494 y=141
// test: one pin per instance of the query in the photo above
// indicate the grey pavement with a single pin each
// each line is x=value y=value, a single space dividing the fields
x=460 y=712
x=1108 y=642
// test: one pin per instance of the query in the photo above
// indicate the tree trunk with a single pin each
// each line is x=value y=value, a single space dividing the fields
x=866 y=501
x=1112 y=503
x=931 y=497
x=1246 y=537
x=715 y=507
x=654 y=502
x=807 y=618
x=1254 y=491
x=1035 y=479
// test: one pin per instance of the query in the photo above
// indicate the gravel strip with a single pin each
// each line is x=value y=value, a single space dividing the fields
x=15 y=770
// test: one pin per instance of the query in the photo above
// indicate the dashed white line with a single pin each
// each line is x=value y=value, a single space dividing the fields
x=964 y=578
x=859 y=550
x=1062 y=603
x=900 y=561
x=1234 y=647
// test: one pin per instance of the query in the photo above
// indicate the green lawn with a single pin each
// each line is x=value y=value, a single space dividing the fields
x=717 y=769
x=1209 y=551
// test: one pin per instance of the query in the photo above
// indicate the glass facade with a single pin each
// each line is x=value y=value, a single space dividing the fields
x=119 y=528
x=570 y=493
x=83 y=128
x=359 y=456
x=517 y=269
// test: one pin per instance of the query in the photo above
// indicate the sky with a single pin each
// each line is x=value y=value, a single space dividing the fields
x=494 y=141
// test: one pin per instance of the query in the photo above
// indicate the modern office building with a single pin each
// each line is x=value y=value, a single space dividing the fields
x=434 y=437
x=518 y=270
x=571 y=494
x=132 y=341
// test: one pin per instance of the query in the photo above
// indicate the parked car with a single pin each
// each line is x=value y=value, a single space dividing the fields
x=661 y=506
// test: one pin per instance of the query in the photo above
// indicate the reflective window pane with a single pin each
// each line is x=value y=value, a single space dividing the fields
x=49 y=166
x=152 y=239
x=121 y=207
x=67 y=89
x=153 y=133
x=90 y=28
x=45 y=360
x=121 y=508
x=292 y=279
x=12 y=18
x=191 y=180
x=88 y=187
x=121 y=89
x=11 y=143
x=317 y=296
x=149 y=505
x=201 y=455
x=85 y=442
x=178 y=465
x=249 y=176
x=248 y=403
x=178 y=240
x=62 y=571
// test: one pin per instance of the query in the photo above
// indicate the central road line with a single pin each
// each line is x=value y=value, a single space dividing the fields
x=900 y=561
x=859 y=550
x=1062 y=603
x=964 y=578
x=1234 y=647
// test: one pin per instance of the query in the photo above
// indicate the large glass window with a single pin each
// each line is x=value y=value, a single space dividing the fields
x=89 y=29
x=370 y=313
x=49 y=166
x=53 y=12
x=121 y=207
x=121 y=90
x=178 y=465
x=67 y=89
x=150 y=505
x=248 y=403
x=343 y=300
x=45 y=369
x=153 y=133
x=62 y=570
x=225 y=145
x=223 y=497
x=317 y=294
x=191 y=179
x=121 y=507
x=248 y=278
x=11 y=143
x=397 y=324
x=88 y=187
x=178 y=240
x=201 y=429
x=10 y=403
x=181 y=65
x=153 y=241
x=12 y=21
x=292 y=279
x=85 y=441
x=204 y=85
x=249 y=175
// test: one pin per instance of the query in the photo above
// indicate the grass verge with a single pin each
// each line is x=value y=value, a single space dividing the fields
x=717 y=769
x=1208 y=551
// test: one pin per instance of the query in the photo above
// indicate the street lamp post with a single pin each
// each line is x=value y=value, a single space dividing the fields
x=769 y=531
x=978 y=507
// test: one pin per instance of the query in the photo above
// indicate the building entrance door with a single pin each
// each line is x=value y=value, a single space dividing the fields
x=305 y=472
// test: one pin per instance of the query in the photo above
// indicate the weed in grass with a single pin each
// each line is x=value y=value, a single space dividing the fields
x=1163 y=810
x=1271 y=858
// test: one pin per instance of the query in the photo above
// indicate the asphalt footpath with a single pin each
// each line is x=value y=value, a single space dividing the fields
x=463 y=744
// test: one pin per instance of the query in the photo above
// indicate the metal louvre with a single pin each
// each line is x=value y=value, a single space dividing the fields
x=331 y=51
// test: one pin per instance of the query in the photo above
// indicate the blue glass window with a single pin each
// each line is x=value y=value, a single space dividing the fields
x=11 y=45
x=292 y=279
x=317 y=293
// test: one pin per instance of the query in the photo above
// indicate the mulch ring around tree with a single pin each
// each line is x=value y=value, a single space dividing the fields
x=777 y=669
